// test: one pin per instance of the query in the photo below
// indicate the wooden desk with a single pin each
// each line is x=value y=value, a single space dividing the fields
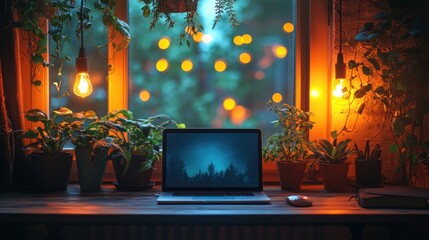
x=112 y=207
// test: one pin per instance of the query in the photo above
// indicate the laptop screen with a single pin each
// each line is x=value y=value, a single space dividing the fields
x=211 y=159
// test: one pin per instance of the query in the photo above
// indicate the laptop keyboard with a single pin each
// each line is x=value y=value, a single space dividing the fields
x=233 y=194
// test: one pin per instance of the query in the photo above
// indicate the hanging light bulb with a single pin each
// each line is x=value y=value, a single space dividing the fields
x=82 y=86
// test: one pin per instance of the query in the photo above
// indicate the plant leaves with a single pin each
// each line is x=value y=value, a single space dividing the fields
x=362 y=91
x=374 y=63
x=360 y=109
x=352 y=64
x=366 y=70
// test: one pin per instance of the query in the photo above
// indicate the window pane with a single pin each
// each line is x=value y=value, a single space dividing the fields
x=95 y=36
x=225 y=79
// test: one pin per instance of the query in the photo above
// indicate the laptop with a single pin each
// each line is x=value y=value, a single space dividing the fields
x=212 y=166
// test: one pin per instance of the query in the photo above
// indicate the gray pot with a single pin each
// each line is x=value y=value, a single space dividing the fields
x=368 y=173
x=51 y=172
x=90 y=171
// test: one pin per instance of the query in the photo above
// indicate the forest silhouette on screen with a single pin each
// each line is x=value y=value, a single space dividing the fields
x=211 y=177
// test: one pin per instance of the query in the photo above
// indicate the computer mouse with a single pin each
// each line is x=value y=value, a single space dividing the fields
x=299 y=201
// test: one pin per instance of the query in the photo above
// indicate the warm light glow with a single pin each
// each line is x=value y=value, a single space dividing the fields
x=164 y=43
x=229 y=104
x=238 y=40
x=288 y=27
x=187 y=65
x=162 y=65
x=315 y=93
x=280 y=51
x=144 y=95
x=190 y=31
x=259 y=75
x=238 y=115
x=220 y=65
x=207 y=38
x=198 y=37
x=247 y=38
x=338 y=91
x=82 y=85
x=245 y=58
x=277 y=97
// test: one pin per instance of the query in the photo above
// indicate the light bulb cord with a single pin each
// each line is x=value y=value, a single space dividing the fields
x=341 y=25
x=81 y=27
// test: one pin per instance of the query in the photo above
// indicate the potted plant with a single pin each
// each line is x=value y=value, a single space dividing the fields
x=388 y=76
x=91 y=162
x=134 y=146
x=50 y=165
x=368 y=166
x=331 y=158
x=289 y=146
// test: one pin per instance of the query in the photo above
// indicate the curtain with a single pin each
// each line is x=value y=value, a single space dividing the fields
x=13 y=163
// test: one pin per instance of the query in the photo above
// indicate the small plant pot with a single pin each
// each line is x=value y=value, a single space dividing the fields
x=334 y=176
x=368 y=173
x=90 y=171
x=132 y=177
x=425 y=171
x=51 y=172
x=291 y=174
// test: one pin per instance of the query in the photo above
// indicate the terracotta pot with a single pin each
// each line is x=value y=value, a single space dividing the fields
x=334 y=176
x=425 y=171
x=90 y=171
x=368 y=173
x=132 y=176
x=51 y=172
x=176 y=6
x=291 y=174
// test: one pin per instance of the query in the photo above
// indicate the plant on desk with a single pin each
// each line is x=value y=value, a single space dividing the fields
x=368 y=166
x=50 y=165
x=289 y=146
x=91 y=162
x=331 y=158
x=134 y=146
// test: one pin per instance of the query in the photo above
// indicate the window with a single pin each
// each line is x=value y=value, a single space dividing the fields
x=225 y=77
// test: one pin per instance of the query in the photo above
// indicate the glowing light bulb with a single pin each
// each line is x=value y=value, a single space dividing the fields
x=338 y=91
x=82 y=85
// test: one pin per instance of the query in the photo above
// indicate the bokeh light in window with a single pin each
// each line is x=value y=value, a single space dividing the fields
x=238 y=115
x=288 y=27
x=187 y=65
x=198 y=37
x=280 y=51
x=245 y=58
x=162 y=65
x=259 y=75
x=314 y=93
x=247 y=38
x=207 y=38
x=277 y=97
x=220 y=65
x=144 y=95
x=164 y=43
x=229 y=104
x=238 y=40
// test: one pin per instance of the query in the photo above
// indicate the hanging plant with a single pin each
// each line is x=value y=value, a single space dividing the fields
x=156 y=9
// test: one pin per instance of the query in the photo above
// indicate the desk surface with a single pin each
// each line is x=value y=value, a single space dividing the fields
x=115 y=207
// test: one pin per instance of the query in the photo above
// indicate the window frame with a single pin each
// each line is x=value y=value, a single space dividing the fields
x=313 y=68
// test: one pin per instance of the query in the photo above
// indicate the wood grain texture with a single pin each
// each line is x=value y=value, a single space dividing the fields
x=140 y=208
